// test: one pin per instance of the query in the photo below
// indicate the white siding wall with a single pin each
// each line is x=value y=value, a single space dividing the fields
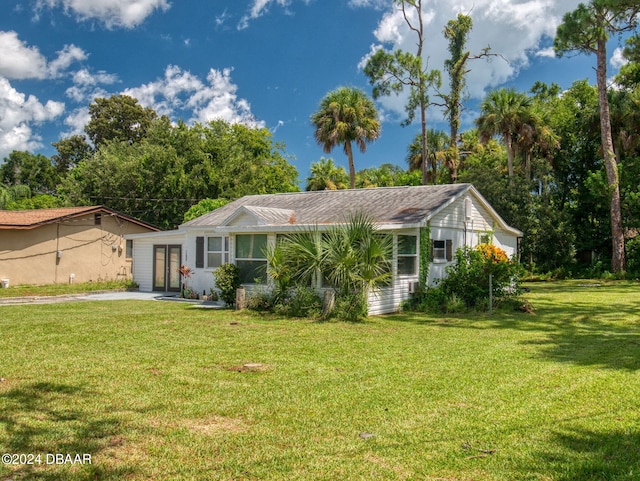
x=143 y=264
x=465 y=221
x=437 y=268
x=202 y=279
x=389 y=299
x=143 y=256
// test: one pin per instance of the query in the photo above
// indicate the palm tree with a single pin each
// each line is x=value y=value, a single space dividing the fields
x=325 y=175
x=503 y=113
x=535 y=136
x=437 y=153
x=346 y=115
x=587 y=30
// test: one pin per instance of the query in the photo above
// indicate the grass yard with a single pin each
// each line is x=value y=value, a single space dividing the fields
x=160 y=390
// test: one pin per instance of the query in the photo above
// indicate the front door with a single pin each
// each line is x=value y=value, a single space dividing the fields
x=166 y=268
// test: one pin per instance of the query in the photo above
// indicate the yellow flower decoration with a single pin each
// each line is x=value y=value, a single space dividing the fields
x=492 y=253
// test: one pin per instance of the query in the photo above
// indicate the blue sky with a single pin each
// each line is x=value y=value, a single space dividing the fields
x=261 y=62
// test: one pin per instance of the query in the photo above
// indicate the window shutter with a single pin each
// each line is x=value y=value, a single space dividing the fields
x=199 y=252
x=449 y=250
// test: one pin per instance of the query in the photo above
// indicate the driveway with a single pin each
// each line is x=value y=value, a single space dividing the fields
x=98 y=296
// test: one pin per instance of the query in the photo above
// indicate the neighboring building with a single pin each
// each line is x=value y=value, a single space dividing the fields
x=238 y=232
x=71 y=244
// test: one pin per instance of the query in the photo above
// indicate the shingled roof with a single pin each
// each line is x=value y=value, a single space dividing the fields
x=388 y=205
x=30 y=219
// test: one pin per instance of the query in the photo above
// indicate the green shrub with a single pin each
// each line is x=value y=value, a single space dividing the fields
x=633 y=257
x=469 y=277
x=454 y=303
x=433 y=299
x=300 y=301
x=260 y=300
x=228 y=281
x=467 y=282
x=351 y=307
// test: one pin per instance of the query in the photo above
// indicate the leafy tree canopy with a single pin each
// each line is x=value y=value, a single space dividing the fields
x=161 y=176
x=204 y=207
x=33 y=170
x=118 y=117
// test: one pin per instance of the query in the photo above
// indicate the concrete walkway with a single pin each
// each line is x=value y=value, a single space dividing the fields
x=98 y=296
x=108 y=296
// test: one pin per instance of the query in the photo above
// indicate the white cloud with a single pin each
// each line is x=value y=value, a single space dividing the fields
x=67 y=56
x=277 y=126
x=176 y=94
x=546 y=52
x=113 y=13
x=222 y=18
x=76 y=121
x=258 y=9
x=180 y=90
x=617 y=59
x=86 y=85
x=18 y=114
x=18 y=61
x=167 y=94
x=85 y=78
x=515 y=29
x=261 y=7
x=369 y=3
x=218 y=100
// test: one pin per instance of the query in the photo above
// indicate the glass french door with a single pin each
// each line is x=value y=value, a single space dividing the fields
x=166 y=268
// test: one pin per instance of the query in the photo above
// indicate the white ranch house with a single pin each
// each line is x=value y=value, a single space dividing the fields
x=238 y=233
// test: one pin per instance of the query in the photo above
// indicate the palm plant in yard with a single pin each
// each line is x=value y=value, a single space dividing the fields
x=357 y=256
x=353 y=258
x=346 y=115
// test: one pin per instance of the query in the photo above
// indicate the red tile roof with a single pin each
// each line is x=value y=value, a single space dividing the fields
x=29 y=219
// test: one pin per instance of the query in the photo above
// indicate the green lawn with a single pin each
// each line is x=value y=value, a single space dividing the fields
x=158 y=390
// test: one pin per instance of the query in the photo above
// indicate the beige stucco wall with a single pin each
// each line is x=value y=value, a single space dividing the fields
x=31 y=256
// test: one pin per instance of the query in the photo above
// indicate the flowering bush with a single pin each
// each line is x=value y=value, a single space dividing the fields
x=492 y=254
x=467 y=281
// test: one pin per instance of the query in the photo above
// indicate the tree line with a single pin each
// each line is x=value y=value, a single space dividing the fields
x=562 y=166
x=570 y=181
x=141 y=164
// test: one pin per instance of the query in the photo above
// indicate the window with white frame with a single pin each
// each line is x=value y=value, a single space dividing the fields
x=442 y=250
x=217 y=251
x=251 y=257
x=407 y=255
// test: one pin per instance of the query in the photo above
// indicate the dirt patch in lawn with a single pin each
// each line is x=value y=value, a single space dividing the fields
x=216 y=425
